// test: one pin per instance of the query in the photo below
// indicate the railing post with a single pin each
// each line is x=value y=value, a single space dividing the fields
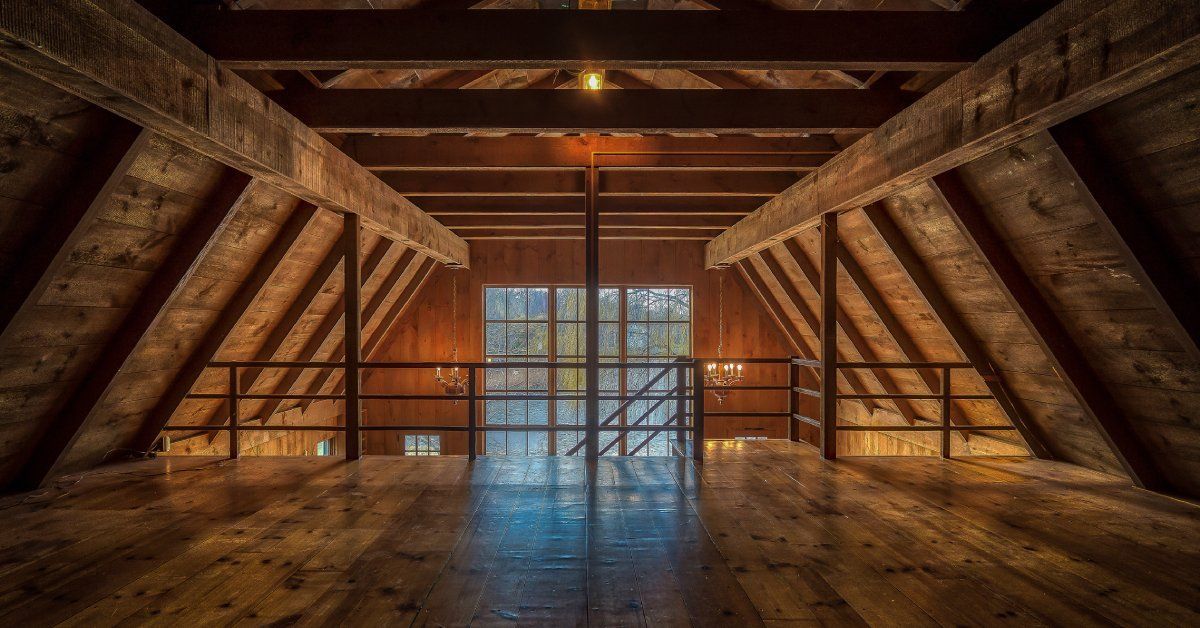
x=472 y=412
x=946 y=412
x=698 y=412
x=829 y=354
x=234 y=403
x=353 y=335
x=681 y=403
x=793 y=430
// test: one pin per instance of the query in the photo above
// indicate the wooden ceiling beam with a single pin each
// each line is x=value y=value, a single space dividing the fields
x=804 y=40
x=703 y=234
x=394 y=152
x=1078 y=56
x=570 y=182
x=608 y=111
x=260 y=275
x=968 y=345
x=1068 y=360
x=1117 y=213
x=119 y=56
x=168 y=279
x=44 y=255
x=609 y=205
x=485 y=221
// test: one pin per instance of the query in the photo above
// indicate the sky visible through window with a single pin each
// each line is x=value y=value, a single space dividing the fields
x=537 y=323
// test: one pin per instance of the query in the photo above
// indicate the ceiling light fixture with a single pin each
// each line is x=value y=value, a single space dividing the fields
x=592 y=80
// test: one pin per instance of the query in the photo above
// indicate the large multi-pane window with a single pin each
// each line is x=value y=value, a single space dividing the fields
x=539 y=323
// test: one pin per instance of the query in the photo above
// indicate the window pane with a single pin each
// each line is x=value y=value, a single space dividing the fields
x=636 y=338
x=494 y=445
x=539 y=303
x=657 y=304
x=681 y=304
x=681 y=341
x=517 y=298
x=538 y=341
x=658 y=338
x=518 y=339
x=539 y=444
x=568 y=304
x=636 y=306
x=610 y=339
x=493 y=299
x=610 y=304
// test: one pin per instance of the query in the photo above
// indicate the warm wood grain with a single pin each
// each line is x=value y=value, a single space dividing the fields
x=118 y=55
x=761 y=533
x=1061 y=65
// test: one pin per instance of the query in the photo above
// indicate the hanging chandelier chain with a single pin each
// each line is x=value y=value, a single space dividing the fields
x=721 y=316
x=454 y=317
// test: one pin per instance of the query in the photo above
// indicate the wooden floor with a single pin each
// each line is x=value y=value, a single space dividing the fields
x=766 y=532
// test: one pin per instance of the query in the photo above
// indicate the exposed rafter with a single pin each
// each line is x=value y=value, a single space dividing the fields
x=615 y=39
x=1069 y=362
x=117 y=55
x=610 y=111
x=218 y=333
x=1004 y=97
x=171 y=276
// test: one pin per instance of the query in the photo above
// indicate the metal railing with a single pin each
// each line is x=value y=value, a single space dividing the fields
x=944 y=396
x=683 y=421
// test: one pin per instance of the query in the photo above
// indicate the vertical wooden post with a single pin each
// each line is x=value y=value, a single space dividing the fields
x=353 y=337
x=592 y=319
x=472 y=412
x=946 y=413
x=829 y=355
x=234 y=403
x=698 y=411
x=793 y=398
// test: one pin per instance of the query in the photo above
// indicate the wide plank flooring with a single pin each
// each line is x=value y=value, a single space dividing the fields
x=761 y=533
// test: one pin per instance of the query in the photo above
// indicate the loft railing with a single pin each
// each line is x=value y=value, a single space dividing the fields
x=687 y=419
x=944 y=396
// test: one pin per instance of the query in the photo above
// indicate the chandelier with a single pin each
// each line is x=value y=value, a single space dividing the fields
x=721 y=373
x=453 y=383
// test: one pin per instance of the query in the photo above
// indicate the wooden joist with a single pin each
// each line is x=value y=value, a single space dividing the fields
x=62 y=431
x=569 y=182
x=1118 y=214
x=609 y=205
x=1068 y=360
x=39 y=262
x=968 y=345
x=1079 y=55
x=464 y=152
x=636 y=221
x=613 y=39
x=215 y=337
x=117 y=55
x=608 y=111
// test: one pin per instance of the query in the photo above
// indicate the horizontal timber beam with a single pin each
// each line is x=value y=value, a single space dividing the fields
x=613 y=39
x=393 y=152
x=569 y=182
x=564 y=205
x=607 y=111
x=119 y=56
x=484 y=221
x=1078 y=56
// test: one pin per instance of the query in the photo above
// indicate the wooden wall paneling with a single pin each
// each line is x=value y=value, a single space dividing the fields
x=216 y=336
x=1069 y=362
x=1121 y=218
x=999 y=100
x=182 y=262
x=45 y=254
x=914 y=268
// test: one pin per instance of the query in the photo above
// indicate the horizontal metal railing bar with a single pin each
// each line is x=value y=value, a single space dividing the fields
x=807 y=419
x=278 y=364
x=744 y=360
x=807 y=391
x=261 y=396
x=905 y=365
x=743 y=388
x=913 y=396
x=507 y=397
x=760 y=414
x=523 y=364
x=256 y=428
x=924 y=428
